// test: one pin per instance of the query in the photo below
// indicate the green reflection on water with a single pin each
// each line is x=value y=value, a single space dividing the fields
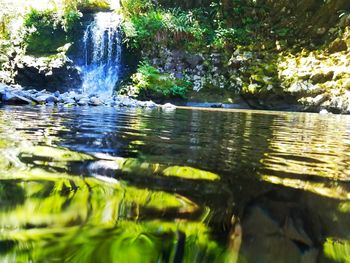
x=50 y=215
x=84 y=220
x=337 y=250
x=284 y=177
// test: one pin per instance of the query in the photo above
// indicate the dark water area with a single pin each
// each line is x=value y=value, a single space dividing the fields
x=119 y=185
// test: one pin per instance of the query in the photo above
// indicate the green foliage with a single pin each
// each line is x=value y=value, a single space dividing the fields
x=228 y=36
x=149 y=83
x=4 y=22
x=70 y=19
x=90 y=5
x=147 y=23
x=47 y=30
x=136 y=7
x=168 y=26
x=41 y=19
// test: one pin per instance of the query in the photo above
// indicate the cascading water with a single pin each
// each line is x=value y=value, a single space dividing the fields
x=102 y=45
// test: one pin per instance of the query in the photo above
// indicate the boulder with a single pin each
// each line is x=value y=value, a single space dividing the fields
x=338 y=45
x=46 y=98
x=168 y=106
x=128 y=102
x=83 y=102
x=13 y=98
x=95 y=101
x=217 y=105
x=324 y=112
x=47 y=72
x=321 y=77
x=193 y=60
x=150 y=104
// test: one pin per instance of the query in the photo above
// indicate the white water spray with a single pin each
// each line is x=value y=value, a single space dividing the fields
x=102 y=54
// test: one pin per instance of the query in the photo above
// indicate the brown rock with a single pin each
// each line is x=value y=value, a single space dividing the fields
x=337 y=45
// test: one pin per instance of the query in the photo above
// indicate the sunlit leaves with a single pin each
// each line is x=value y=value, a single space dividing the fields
x=337 y=250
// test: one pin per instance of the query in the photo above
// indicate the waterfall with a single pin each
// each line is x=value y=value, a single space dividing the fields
x=102 y=45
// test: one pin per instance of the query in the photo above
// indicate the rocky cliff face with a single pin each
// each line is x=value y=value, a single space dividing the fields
x=307 y=69
x=50 y=73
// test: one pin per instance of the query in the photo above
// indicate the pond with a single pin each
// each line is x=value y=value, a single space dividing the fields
x=187 y=185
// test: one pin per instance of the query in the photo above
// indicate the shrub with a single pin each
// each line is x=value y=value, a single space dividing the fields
x=172 y=27
x=47 y=30
x=136 y=7
x=149 y=83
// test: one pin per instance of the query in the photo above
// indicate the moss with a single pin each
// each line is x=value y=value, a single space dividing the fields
x=45 y=41
x=213 y=95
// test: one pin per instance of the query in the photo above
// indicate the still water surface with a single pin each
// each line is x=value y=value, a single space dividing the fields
x=107 y=185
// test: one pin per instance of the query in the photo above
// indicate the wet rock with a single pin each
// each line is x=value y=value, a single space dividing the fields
x=324 y=112
x=95 y=101
x=319 y=99
x=179 y=75
x=346 y=84
x=338 y=45
x=47 y=72
x=322 y=77
x=179 y=54
x=83 y=102
x=69 y=101
x=193 y=60
x=217 y=105
x=128 y=102
x=338 y=104
x=141 y=104
x=47 y=98
x=78 y=97
x=66 y=98
x=13 y=98
x=62 y=97
x=107 y=101
x=168 y=106
x=3 y=88
x=300 y=88
x=169 y=66
x=150 y=104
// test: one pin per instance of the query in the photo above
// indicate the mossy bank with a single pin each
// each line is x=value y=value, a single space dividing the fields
x=270 y=55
